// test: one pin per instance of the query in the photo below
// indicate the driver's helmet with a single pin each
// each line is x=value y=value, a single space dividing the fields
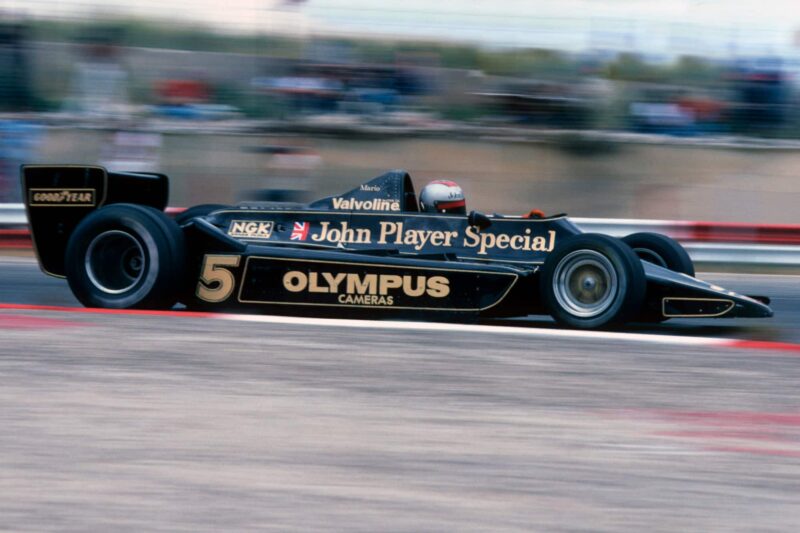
x=442 y=196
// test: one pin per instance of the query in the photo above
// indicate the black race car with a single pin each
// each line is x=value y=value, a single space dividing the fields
x=369 y=252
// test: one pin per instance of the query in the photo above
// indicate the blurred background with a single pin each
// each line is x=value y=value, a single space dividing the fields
x=631 y=108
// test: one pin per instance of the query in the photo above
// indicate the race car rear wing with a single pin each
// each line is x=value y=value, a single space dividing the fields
x=58 y=197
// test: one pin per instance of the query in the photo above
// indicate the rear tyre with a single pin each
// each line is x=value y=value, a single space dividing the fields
x=126 y=256
x=197 y=211
x=592 y=281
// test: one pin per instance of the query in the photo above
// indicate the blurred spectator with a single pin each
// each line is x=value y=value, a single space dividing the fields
x=760 y=99
x=676 y=111
x=15 y=88
x=661 y=117
x=304 y=93
x=352 y=80
x=132 y=151
x=708 y=113
x=182 y=92
x=100 y=82
x=18 y=144
x=289 y=167
x=351 y=88
x=190 y=97
x=543 y=103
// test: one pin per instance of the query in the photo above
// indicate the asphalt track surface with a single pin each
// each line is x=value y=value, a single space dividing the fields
x=131 y=422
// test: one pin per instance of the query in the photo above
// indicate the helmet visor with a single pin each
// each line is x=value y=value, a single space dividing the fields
x=458 y=207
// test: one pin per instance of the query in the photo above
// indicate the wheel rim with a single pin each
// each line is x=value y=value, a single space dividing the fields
x=114 y=262
x=650 y=256
x=585 y=283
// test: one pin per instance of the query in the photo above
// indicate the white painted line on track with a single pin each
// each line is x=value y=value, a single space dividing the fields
x=647 y=338
x=476 y=328
x=17 y=260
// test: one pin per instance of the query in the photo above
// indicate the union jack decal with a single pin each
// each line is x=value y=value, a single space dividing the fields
x=299 y=231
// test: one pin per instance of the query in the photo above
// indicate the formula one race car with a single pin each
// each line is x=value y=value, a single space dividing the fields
x=367 y=253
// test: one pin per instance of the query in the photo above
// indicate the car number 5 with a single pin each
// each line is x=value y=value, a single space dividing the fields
x=216 y=281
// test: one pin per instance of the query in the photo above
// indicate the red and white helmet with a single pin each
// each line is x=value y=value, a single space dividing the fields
x=442 y=196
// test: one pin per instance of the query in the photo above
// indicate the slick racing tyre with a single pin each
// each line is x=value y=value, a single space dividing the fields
x=197 y=211
x=661 y=250
x=126 y=256
x=592 y=281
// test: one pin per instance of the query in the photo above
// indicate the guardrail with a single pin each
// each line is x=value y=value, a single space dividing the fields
x=12 y=216
x=686 y=231
x=710 y=244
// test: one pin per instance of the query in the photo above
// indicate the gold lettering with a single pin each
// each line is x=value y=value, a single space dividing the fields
x=410 y=237
x=355 y=284
x=389 y=281
x=399 y=240
x=363 y=236
x=438 y=286
x=323 y=232
x=471 y=237
x=424 y=236
x=417 y=291
x=387 y=229
x=368 y=289
x=487 y=241
x=313 y=285
x=64 y=196
x=333 y=281
x=348 y=234
x=295 y=281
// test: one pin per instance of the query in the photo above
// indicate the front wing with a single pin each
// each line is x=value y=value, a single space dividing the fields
x=674 y=295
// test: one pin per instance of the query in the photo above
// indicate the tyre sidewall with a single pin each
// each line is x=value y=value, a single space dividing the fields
x=163 y=261
x=630 y=281
x=672 y=254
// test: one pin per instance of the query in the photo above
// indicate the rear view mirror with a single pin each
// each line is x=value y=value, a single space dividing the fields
x=478 y=219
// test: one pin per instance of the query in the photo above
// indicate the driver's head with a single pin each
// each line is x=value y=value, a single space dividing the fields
x=442 y=196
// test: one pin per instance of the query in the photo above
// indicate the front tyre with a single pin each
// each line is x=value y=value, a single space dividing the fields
x=126 y=256
x=661 y=250
x=592 y=281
